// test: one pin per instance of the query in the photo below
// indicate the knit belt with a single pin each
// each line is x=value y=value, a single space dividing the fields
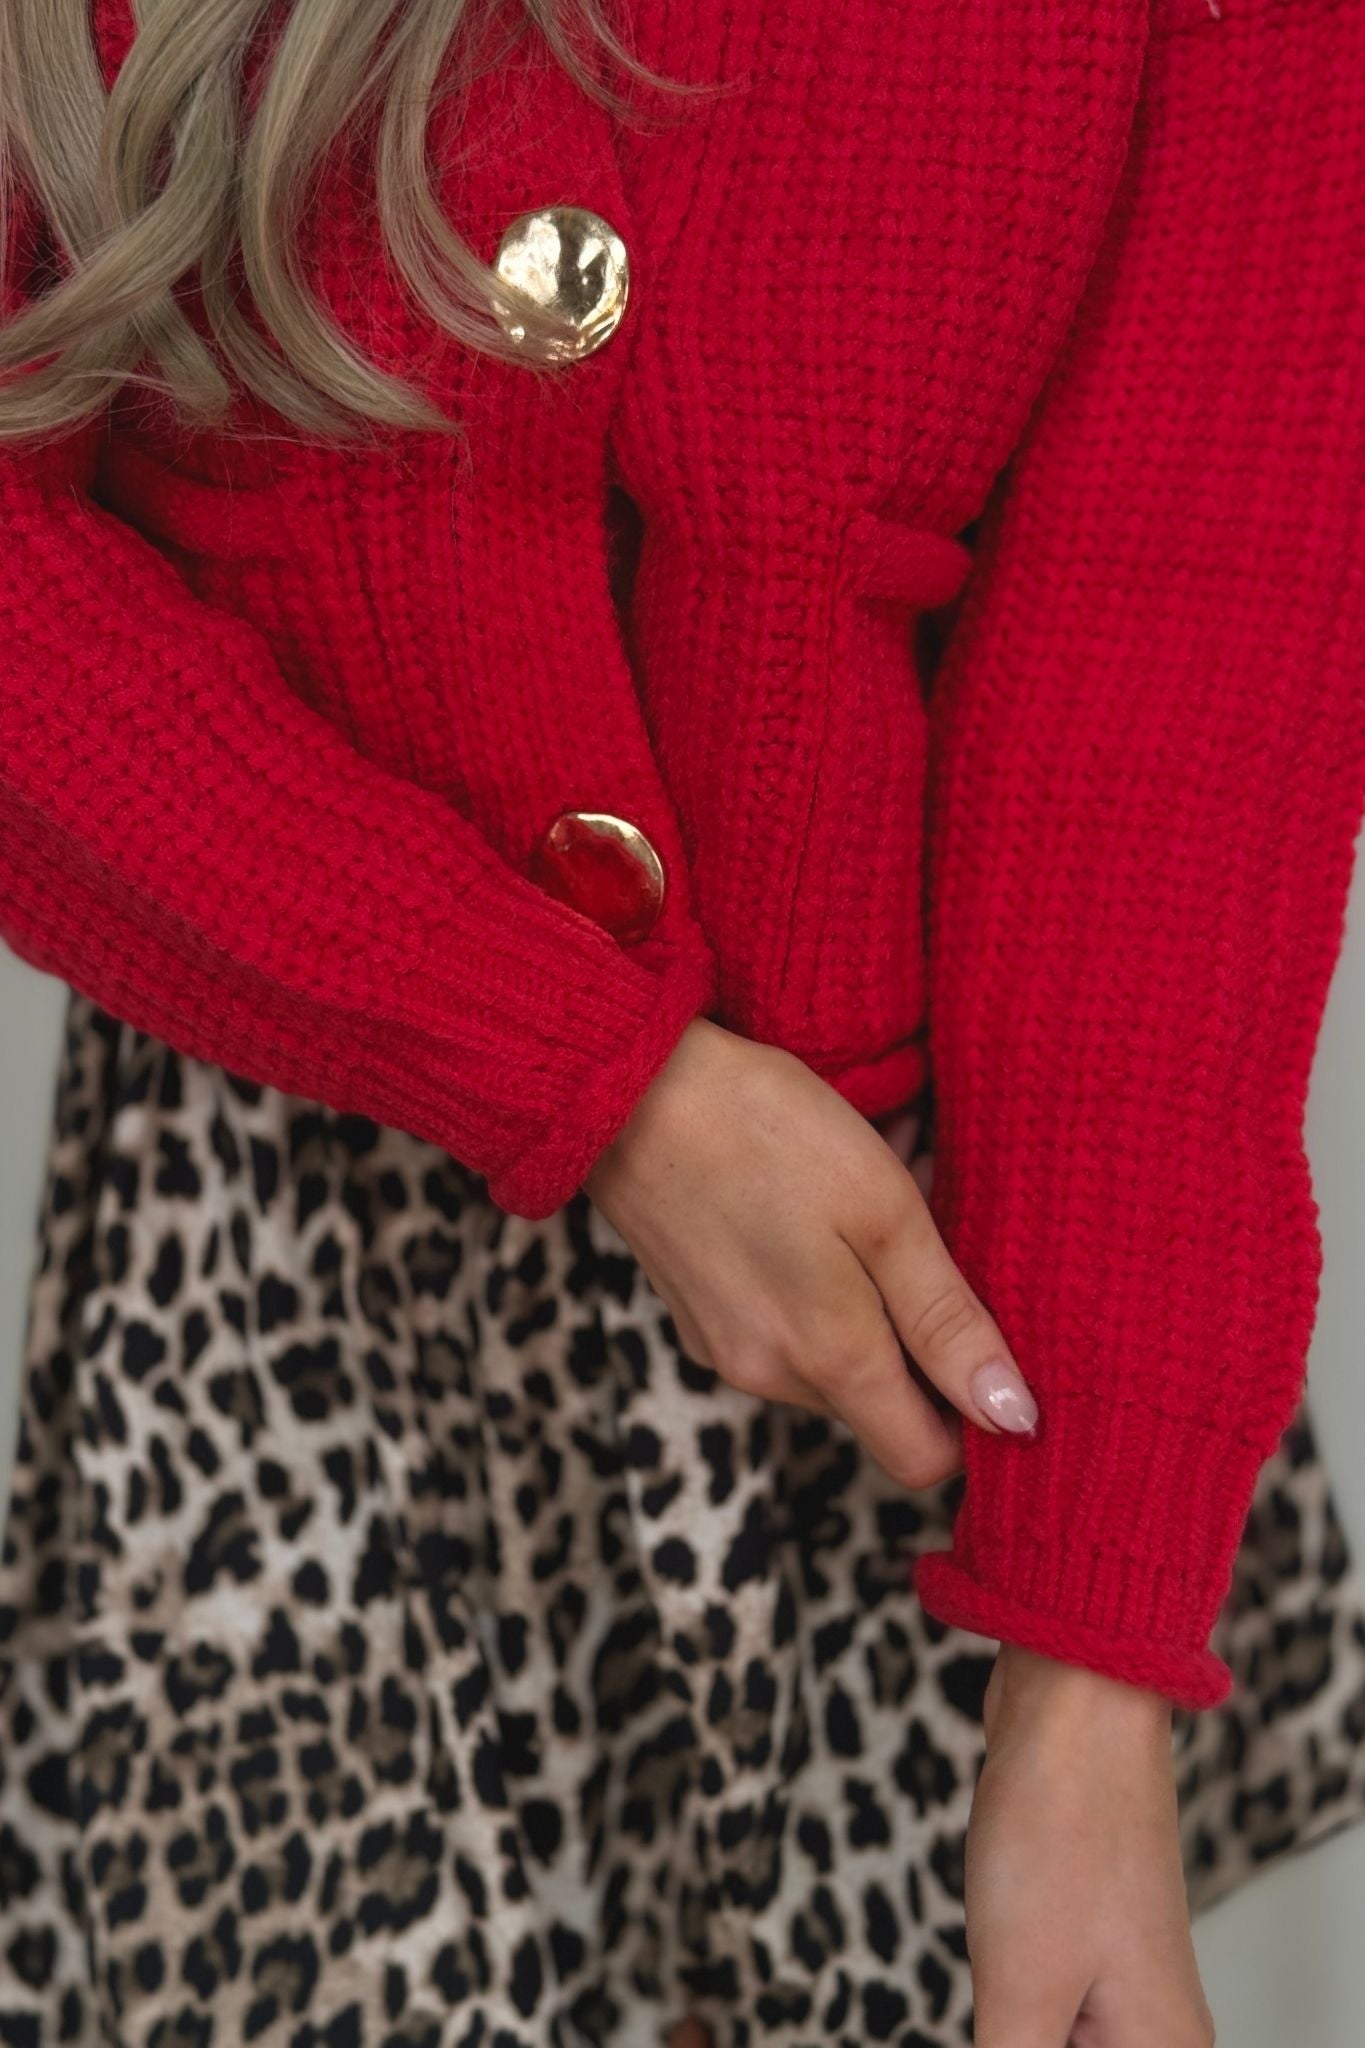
x=887 y=558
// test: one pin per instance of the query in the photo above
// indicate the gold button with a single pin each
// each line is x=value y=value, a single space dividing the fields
x=572 y=263
x=604 y=867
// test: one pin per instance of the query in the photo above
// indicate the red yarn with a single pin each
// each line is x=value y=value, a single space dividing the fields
x=282 y=727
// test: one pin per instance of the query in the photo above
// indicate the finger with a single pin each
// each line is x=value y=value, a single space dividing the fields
x=947 y=1330
x=1007 y=2014
x=922 y=1173
x=1028 y=1988
x=772 y=1381
x=776 y=1382
x=870 y=1387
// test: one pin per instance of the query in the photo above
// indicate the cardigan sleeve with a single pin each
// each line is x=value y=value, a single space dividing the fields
x=1147 y=775
x=184 y=840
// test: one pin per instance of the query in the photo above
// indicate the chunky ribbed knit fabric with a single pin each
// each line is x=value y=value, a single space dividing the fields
x=281 y=729
x=1148 y=773
x=280 y=738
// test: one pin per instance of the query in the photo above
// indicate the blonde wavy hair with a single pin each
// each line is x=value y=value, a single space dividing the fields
x=162 y=176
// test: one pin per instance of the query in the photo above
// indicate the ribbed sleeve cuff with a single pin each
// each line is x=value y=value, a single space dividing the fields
x=1193 y=1678
x=889 y=1081
x=618 y=1073
x=1109 y=1541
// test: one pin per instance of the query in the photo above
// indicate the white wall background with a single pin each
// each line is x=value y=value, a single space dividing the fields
x=1283 y=1957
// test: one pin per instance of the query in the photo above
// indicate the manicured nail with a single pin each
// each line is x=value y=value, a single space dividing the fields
x=1001 y=1395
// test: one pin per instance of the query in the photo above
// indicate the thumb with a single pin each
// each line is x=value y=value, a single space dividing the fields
x=946 y=1329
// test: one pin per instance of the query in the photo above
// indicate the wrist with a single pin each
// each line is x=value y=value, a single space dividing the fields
x=671 y=1122
x=1030 y=1691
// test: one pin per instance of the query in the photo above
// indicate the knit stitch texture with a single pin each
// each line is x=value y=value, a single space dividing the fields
x=281 y=726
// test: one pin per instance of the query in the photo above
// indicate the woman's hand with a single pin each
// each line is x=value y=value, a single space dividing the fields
x=1077 y=1920
x=796 y=1253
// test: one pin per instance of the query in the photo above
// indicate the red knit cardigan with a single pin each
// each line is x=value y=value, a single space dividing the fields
x=282 y=728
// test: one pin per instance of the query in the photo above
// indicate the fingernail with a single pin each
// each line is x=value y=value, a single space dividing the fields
x=1001 y=1395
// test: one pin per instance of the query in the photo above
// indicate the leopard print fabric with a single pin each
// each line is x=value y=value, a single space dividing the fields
x=403 y=1644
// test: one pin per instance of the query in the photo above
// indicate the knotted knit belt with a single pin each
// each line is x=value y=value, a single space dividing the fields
x=887 y=558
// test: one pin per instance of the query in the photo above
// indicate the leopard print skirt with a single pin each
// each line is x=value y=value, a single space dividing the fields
x=403 y=1644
